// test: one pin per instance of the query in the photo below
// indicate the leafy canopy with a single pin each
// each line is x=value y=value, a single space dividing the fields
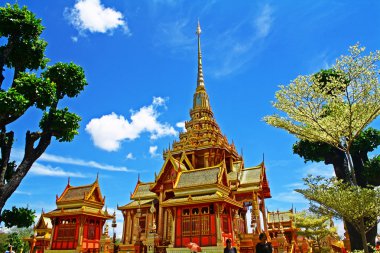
x=313 y=226
x=19 y=217
x=332 y=107
x=344 y=201
x=25 y=49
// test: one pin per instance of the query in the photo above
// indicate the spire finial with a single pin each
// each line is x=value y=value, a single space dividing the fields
x=198 y=29
x=200 y=81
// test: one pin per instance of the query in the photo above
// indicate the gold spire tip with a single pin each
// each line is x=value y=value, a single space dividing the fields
x=198 y=29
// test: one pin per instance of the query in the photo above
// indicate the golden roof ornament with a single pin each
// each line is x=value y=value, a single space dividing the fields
x=152 y=209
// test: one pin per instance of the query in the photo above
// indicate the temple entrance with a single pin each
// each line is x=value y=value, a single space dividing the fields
x=195 y=224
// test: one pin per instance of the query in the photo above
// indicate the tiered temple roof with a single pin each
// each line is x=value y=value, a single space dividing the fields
x=86 y=199
x=281 y=220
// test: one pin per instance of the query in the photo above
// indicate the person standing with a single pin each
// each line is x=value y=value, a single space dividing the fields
x=263 y=246
x=229 y=248
x=10 y=250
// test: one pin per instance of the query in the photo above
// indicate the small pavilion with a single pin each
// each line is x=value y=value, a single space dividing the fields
x=78 y=220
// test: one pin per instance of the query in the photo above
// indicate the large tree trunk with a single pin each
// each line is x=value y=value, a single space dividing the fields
x=355 y=238
x=338 y=160
x=30 y=156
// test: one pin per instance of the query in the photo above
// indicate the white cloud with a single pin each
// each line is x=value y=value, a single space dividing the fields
x=181 y=125
x=263 y=22
x=23 y=193
x=74 y=39
x=130 y=156
x=152 y=151
x=39 y=169
x=93 y=16
x=73 y=161
x=158 y=101
x=110 y=130
x=319 y=169
x=18 y=154
x=297 y=185
x=175 y=36
x=290 y=197
x=232 y=53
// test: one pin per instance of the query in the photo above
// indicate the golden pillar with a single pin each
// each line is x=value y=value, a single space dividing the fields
x=161 y=215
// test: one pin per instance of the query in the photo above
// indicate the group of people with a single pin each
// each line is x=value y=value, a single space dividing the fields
x=261 y=247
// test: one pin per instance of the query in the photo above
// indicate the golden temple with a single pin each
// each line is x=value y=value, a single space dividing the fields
x=202 y=193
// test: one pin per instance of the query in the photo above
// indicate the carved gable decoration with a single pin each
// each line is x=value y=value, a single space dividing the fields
x=223 y=178
x=185 y=160
x=43 y=223
x=169 y=172
x=95 y=195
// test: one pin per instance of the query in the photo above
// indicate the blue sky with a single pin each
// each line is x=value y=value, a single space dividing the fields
x=140 y=62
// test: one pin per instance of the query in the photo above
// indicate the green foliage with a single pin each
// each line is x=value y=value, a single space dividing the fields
x=12 y=103
x=312 y=151
x=19 y=217
x=63 y=124
x=38 y=91
x=69 y=78
x=314 y=226
x=372 y=170
x=15 y=21
x=24 y=50
x=14 y=237
x=324 y=78
x=366 y=141
x=344 y=201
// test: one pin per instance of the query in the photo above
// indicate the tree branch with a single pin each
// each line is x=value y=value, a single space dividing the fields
x=6 y=142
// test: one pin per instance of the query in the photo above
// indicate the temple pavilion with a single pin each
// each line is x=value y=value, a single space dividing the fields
x=77 y=222
x=202 y=193
x=282 y=230
x=42 y=234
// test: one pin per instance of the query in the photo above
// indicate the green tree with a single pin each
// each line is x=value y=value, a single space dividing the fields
x=333 y=107
x=367 y=171
x=22 y=52
x=358 y=205
x=19 y=217
x=15 y=238
x=313 y=226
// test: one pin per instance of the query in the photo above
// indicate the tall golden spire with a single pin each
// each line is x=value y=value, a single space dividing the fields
x=200 y=80
x=202 y=131
x=200 y=99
